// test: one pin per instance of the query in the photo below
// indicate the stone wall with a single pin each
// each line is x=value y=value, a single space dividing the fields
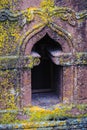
x=63 y=124
x=22 y=24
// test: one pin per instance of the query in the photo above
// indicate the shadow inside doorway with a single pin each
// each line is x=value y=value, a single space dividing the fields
x=45 y=100
x=46 y=78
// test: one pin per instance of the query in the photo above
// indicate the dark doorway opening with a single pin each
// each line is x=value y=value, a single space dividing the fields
x=47 y=76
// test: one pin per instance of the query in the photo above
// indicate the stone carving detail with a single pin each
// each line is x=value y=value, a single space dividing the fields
x=64 y=13
x=5 y=14
x=46 y=12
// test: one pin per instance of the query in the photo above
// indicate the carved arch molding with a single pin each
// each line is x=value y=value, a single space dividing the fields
x=46 y=12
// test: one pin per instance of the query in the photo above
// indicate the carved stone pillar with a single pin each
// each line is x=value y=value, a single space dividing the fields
x=26 y=88
x=68 y=85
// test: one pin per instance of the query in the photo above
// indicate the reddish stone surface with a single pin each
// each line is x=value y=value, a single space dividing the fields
x=25 y=88
x=74 y=79
x=82 y=82
x=74 y=82
x=68 y=83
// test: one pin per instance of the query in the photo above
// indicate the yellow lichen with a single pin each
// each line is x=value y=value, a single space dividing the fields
x=47 y=3
x=7 y=89
x=7 y=3
x=9 y=36
x=8 y=118
x=38 y=114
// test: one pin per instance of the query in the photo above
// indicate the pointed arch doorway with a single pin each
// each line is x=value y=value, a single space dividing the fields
x=47 y=76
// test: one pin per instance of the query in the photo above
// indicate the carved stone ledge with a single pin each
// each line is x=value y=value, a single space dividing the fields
x=22 y=62
x=46 y=12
